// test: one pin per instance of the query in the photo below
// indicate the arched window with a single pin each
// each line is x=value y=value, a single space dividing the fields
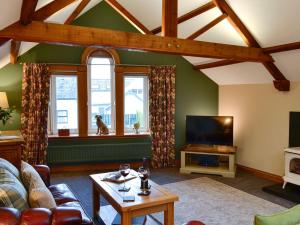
x=101 y=87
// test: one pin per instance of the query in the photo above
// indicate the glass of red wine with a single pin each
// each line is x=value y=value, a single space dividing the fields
x=124 y=171
x=144 y=174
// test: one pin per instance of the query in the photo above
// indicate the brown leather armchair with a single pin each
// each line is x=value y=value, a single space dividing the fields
x=68 y=211
x=39 y=216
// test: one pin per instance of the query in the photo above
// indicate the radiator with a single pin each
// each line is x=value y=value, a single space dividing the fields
x=84 y=153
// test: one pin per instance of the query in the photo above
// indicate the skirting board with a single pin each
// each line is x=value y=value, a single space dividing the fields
x=262 y=174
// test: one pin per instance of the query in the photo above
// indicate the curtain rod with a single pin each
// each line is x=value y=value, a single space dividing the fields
x=96 y=64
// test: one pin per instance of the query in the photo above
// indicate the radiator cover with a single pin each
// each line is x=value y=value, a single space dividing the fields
x=85 y=151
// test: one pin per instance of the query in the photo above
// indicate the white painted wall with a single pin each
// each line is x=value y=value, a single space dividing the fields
x=261 y=122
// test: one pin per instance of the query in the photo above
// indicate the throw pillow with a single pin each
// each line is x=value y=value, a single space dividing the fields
x=12 y=192
x=10 y=167
x=288 y=217
x=39 y=198
x=39 y=194
x=30 y=177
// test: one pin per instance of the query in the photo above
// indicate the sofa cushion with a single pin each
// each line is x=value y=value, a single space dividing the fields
x=287 y=217
x=39 y=195
x=12 y=192
x=30 y=177
x=62 y=193
x=10 y=167
x=39 y=198
x=76 y=205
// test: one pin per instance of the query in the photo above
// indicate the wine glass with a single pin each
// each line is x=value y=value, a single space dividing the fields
x=144 y=174
x=124 y=171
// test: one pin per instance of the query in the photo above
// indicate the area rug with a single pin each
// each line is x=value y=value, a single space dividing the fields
x=215 y=203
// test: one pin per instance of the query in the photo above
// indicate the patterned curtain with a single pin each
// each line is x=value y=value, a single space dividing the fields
x=34 y=116
x=162 y=115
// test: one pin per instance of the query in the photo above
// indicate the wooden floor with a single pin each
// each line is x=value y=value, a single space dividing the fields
x=243 y=181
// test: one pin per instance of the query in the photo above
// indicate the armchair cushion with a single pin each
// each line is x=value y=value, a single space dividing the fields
x=39 y=216
x=287 y=217
x=12 y=192
x=62 y=193
x=76 y=205
x=9 y=216
x=39 y=194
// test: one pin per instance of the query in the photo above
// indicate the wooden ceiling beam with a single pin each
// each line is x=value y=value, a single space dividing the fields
x=237 y=23
x=251 y=42
x=14 y=51
x=169 y=18
x=207 y=27
x=84 y=36
x=27 y=11
x=43 y=13
x=128 y=16
x=216 y=64
x=3 y=41
x=77 y=11
x=282 y=48
x=51 y=8
x=189 y=15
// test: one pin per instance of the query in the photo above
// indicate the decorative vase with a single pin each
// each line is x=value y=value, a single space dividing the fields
x=136 y=127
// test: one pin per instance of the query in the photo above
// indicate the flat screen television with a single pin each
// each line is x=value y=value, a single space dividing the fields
x=294 y=129
x=209 y=130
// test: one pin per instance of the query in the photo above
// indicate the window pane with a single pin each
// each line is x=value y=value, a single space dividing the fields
x=136 y=102
x=100 y=91
x=66 y=102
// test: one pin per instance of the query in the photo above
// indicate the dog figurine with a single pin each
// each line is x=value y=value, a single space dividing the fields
x=102 y=128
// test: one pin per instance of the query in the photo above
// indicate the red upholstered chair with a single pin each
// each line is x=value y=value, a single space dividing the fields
x=68 y=211
x=39 y=216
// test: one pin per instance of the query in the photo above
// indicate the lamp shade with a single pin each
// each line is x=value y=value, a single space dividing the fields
x=3 y=100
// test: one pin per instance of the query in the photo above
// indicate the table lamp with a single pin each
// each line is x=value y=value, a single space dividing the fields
x=3 y=100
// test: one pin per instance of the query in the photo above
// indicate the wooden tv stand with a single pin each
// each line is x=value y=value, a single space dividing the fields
x=226 y=169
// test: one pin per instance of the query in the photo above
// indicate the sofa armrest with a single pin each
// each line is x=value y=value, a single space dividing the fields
x=9 y=216
x=66 y=216
x=40 y=216
x=36 y=216
x=44 y=172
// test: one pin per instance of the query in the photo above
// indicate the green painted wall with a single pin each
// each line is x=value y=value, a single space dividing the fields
x=195 y=93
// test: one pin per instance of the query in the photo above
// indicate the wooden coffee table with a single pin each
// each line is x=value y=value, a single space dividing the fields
x=159 y=200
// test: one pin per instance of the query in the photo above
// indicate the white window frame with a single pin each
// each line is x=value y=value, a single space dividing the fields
x=52 y=105
x=113 y=91
x=145 y=105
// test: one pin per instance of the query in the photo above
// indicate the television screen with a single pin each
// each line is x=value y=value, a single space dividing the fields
x=294 y=131
x=210 y=130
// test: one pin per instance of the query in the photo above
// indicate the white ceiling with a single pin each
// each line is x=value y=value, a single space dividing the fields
x=271 y=23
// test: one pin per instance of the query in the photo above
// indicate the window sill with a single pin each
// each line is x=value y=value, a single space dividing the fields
x=101 y=137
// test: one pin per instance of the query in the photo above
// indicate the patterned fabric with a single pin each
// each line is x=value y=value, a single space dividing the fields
x=34 y=117
x=4 y=164
x=162 y=115
x=39 y=194
x=12 y=192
